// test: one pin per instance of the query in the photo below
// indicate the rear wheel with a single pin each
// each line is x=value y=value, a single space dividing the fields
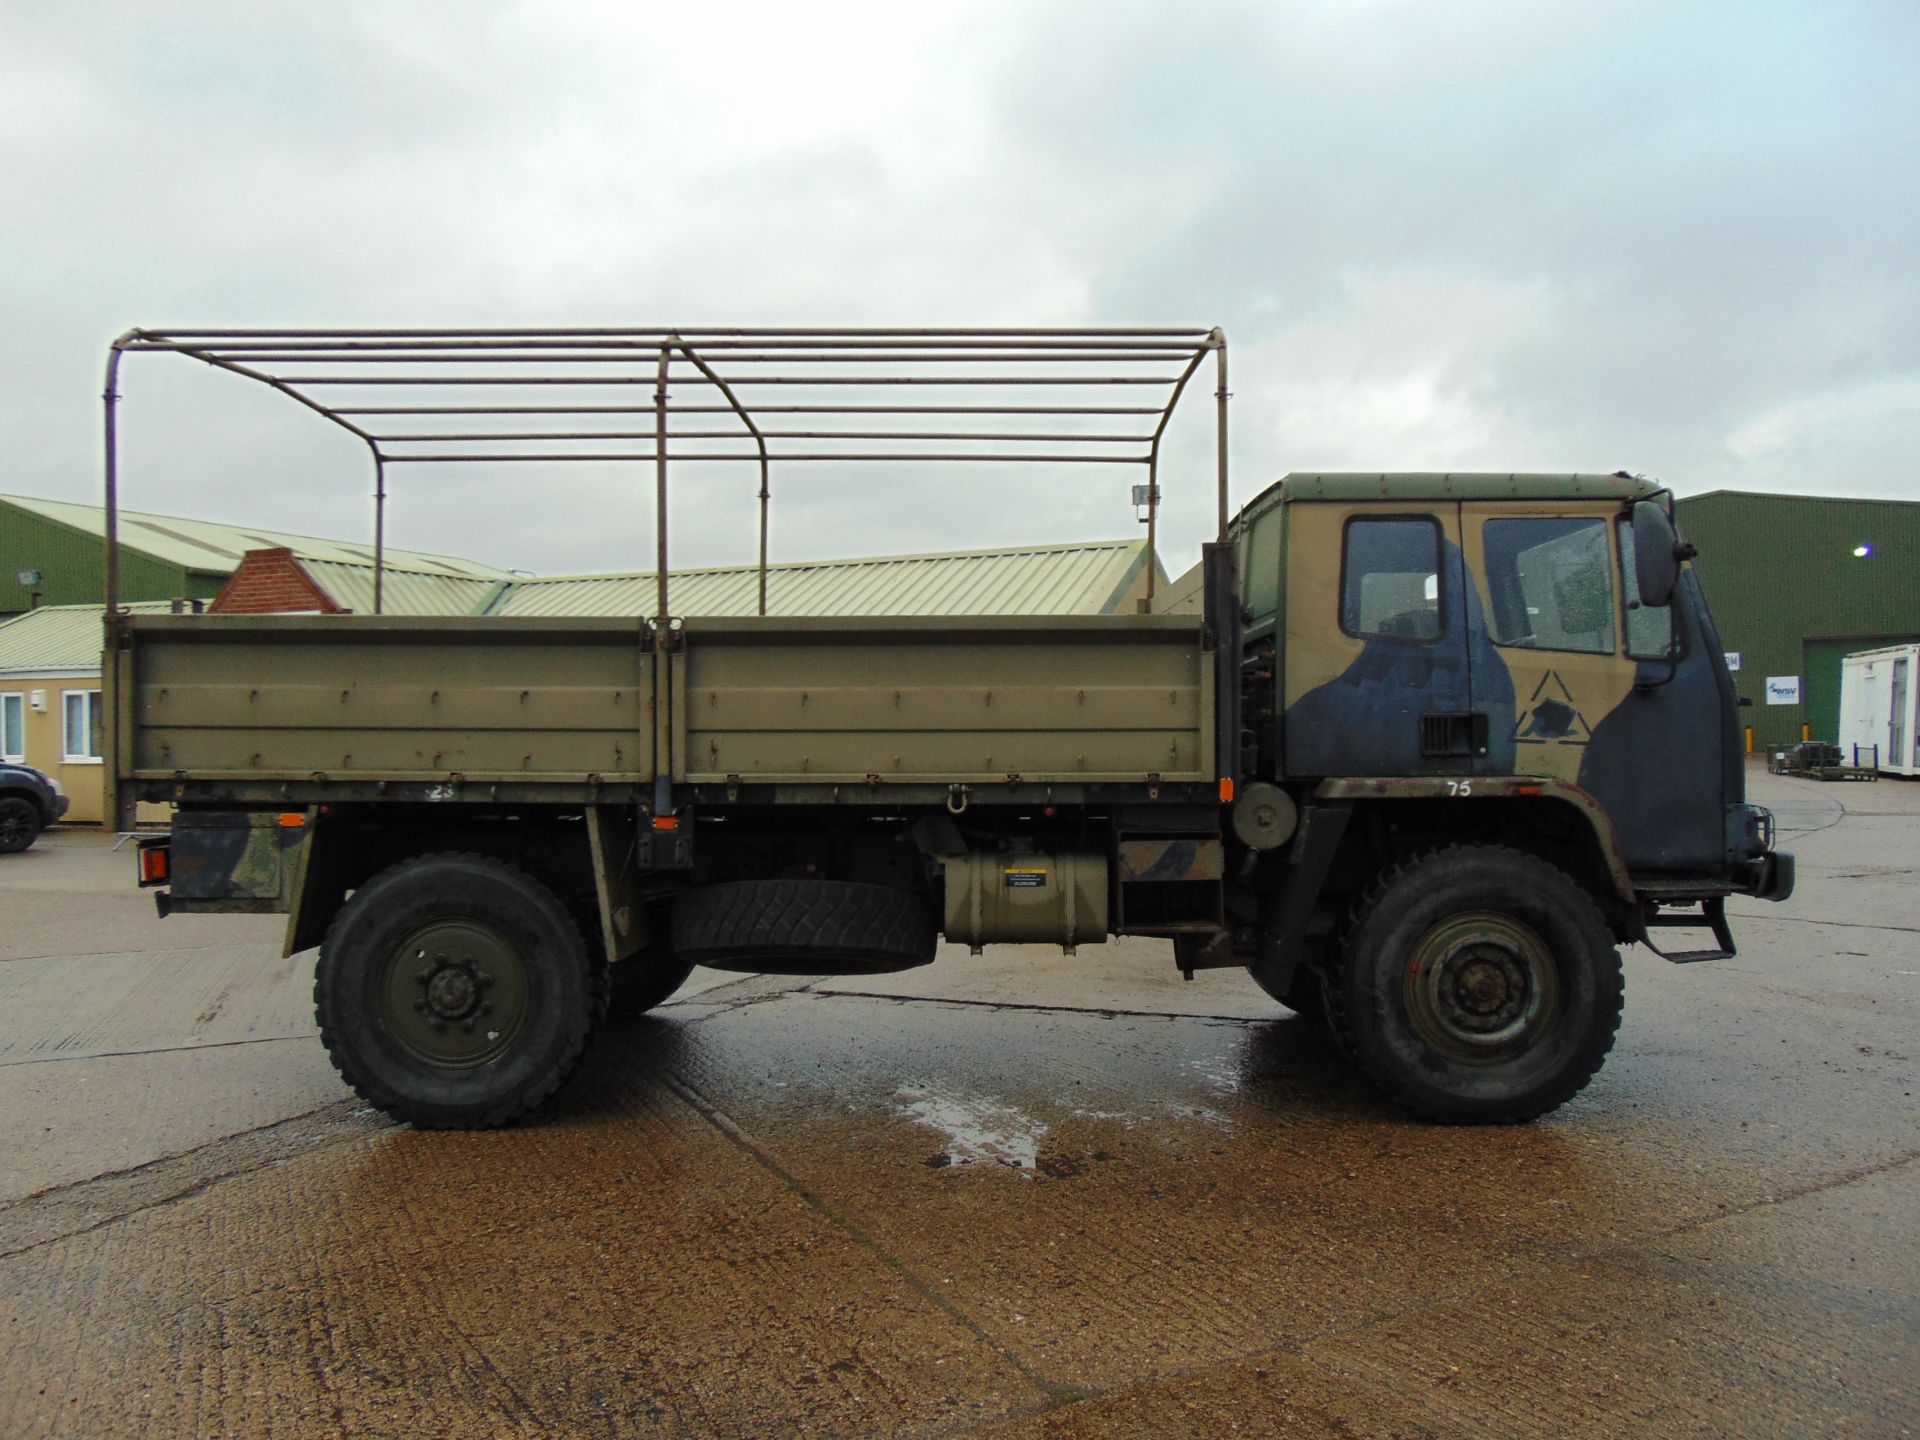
x=454 y=991
x=1477 y=986
x=19 y=824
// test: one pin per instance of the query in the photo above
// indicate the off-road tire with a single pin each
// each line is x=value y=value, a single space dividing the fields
x=374 y=951
x=1486 y=914
x=804 y=927
x=19 y=824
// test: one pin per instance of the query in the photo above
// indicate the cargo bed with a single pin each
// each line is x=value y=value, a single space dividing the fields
x=301 y=710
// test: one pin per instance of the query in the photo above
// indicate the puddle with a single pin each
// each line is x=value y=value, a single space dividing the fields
x=1124 y=1119
x=978 y=1130
x=1221 y=1073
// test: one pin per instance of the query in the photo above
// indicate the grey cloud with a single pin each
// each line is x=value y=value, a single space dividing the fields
x=1673 y=237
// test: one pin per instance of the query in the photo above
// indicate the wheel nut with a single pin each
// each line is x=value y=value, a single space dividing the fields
x=467 y=1025
x=421 y=978
x=483 y=977
x=440 y=1025
x=486 y=1007
x=421 y=1006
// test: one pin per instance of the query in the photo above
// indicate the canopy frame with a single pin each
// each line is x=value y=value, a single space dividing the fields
x=914 y=393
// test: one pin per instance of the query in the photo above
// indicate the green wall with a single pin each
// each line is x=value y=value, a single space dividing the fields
x=1791 y=598
x=73 y=565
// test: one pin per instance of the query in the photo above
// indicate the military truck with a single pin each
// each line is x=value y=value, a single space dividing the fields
x=1417 y=751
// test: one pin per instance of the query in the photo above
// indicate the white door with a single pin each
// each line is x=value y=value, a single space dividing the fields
x=1897 y=732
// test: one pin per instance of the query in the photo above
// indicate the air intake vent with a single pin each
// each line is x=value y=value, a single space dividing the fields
x=1461 y=733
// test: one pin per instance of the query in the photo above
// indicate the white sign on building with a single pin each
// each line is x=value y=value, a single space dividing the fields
x=1783 y=689
x=1733 y=659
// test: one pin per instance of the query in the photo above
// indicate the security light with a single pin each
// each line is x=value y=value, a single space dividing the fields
x=1861 y=552
x=28 y=578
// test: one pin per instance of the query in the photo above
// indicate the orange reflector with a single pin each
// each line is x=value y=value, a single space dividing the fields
x=1226 y=790
x=666 y=822
x=153 y=865
x=1528 y=790
x=293 y=820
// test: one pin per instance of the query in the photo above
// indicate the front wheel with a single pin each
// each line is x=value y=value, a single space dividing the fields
x=19 y=824
x=1477 y=985
x=454 y=992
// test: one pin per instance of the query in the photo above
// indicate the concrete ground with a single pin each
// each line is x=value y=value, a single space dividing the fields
x=1018 y=1194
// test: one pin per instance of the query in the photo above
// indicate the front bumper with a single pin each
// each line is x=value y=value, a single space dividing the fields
x=1757 y=869
x=1767 y=877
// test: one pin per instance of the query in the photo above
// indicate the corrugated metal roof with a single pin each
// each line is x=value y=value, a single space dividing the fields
x=58 y=638
x=403 y=592
x=208 y=545
x=1083 y=579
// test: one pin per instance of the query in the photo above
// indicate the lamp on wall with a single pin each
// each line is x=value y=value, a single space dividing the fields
x=30 y=581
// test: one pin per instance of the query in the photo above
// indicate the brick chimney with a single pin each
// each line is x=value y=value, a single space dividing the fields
x=270 y=582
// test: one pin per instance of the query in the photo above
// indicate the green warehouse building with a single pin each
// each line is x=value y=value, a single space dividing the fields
x=1796 y=582
x=53 y=552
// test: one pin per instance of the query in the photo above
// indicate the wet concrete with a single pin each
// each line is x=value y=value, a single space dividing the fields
x=1016 y=1194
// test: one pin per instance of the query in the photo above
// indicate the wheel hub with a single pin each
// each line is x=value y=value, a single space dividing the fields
x=1483 y=990
x=453 y=990
x=13 y=826
x=1482 y=986
x=455 y=993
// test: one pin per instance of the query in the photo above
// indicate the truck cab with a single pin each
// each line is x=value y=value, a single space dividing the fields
x=1458 y=643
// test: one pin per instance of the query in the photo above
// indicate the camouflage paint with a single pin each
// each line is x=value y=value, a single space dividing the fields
x=1354 y=706
x=1666 y=762
x=1647 y=740
x=1544 y=717
x=232 y=860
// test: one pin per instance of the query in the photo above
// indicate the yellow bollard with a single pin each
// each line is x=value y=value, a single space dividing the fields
x=1806 y=731
x=1749 y=742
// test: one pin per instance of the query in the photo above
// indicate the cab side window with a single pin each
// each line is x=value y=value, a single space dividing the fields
x=1551 y=584
x=1390 y=578
x=1649 y=627
x=1260 y=570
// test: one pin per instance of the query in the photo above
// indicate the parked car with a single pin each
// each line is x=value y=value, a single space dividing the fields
x=29 y=802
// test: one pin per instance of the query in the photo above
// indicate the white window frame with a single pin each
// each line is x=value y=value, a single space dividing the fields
x=16 y=700
x=67 y=754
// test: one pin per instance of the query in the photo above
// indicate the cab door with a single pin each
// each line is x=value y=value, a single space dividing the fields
x=1376 y=621
x=1581 y=682
x=1546 y=576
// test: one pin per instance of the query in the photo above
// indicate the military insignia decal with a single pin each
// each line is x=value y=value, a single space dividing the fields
x=1550 y=716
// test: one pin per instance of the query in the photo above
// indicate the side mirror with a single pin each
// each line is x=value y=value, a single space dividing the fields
x=1656 y=553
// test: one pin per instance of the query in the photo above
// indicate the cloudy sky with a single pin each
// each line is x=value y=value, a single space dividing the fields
x=1674 y=238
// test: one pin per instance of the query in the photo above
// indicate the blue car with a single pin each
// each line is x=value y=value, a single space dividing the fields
x=29 y=802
